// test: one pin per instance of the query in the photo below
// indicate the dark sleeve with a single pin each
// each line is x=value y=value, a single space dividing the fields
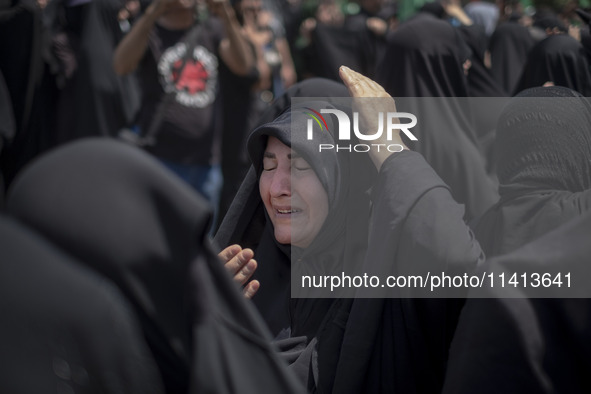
x=416 y=219
x=433 y=240
x=416 y=226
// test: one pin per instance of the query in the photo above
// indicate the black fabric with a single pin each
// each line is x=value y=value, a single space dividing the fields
x=362 y=345
x=311 y=87
x=543 y=158
x=340 y=242
x=246 y=223
x=64 y=328
x=424 y=59
x=548 y=20
x=7 y=126
x=247 y=203
x=482 y=84
x=240 y=108
x=417 y=216
x=191 y=120
x=7 y=122
x=23 y=49
x=334 y=46
x=480 y=80
x=586 y=42
x=523 y=345
x=509 y=46
x=115 y=209
x=545 y=142
x=559 y=59
x=372 y=44
x=94 y=101
x=434 y=8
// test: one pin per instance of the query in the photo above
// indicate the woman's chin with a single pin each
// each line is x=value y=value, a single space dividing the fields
x=283 y=237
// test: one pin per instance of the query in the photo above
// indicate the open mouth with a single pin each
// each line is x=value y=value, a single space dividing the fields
x=287 y=211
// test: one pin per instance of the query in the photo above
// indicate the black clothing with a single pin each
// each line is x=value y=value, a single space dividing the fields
x=408 y=336
x=354 y=345
x=424 y=59
x=23 y=50
x=240 y=108
x=334 y=46
x=482 y=84
x=64 y=328
x=311 y=87
x=509 y=46
x=559 y=59
x=7 y=127
x=94 y=100
x=528 y=345
x=117 y=210
x=480 y=80
x=524 y=213
x=245 y=222
x=543 y=148
x=191 y=120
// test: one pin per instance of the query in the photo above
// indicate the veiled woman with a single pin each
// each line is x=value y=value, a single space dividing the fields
x=314 y=212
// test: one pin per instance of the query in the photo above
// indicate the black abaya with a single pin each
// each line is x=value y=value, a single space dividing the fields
x=424 y=60
x=528 y=345
x=543 y=148
x=559 y=59
x=509 y=46
x=116 y=210
x=64 y=328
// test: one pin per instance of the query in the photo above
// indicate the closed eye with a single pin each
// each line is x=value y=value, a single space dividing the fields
x=300 y=164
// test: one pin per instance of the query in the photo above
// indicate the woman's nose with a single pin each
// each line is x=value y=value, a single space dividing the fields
x=281 y=184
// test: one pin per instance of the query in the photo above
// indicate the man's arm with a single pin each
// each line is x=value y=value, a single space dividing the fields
x=132 y=47
x=234 y=48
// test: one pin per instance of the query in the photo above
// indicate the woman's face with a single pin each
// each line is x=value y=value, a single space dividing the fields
x=293 y=196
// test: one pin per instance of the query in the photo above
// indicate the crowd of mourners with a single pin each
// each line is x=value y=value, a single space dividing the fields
x=161 y=196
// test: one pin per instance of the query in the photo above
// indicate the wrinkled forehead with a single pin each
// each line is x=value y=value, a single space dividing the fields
x=275 y=148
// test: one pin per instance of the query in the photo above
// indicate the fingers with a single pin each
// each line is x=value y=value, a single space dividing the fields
x=228 y=253
x=351 y=81
x=359 y=85
x=239 y=261
x=245 y=272
x=251 y=288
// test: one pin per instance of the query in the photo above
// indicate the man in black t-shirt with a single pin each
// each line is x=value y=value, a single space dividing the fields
x=156 y=47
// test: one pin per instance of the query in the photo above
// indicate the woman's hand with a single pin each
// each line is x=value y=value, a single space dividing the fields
x=241 y=265
x=372 y=100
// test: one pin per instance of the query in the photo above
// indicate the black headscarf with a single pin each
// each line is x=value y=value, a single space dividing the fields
x=115 y=209
x=509 y=46
x=559 y=59
x=333 y=46
x=246 y=211
x=246 y=222
x=543 y=157
x=64 y=328
x=424 y=60
x=545 y=142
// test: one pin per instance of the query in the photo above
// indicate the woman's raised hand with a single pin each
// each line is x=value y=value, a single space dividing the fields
x=241 y=265
x=373 y=100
